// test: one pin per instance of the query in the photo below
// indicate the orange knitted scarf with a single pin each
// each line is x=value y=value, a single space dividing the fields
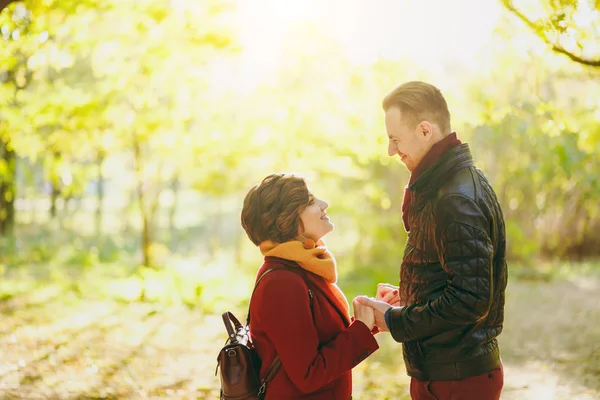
x=317 y=260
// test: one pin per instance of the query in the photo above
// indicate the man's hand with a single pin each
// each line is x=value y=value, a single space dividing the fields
x=388 y=294
x=379 y=309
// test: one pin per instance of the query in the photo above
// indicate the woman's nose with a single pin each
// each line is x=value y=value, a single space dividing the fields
x=324 y=205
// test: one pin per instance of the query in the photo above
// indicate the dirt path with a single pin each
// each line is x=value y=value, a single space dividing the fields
x=551 y=342
x=74 y=349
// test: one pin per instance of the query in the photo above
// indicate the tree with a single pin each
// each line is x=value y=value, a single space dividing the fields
x=117 y=79
x=15 y=76
x=542 y=120
x=38 y=110
x=156 y=64
x=569 y=27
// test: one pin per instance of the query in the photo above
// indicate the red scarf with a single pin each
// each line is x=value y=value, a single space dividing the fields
x=432 y=156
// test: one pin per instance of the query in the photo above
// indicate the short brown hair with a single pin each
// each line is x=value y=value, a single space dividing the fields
x=272 y=208
x=420 y=101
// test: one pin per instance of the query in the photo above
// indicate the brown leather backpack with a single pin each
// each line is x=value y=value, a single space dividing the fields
x=239 y=361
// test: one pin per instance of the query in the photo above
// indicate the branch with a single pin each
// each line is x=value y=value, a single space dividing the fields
x=577 y=59
x=536 y=28
x=4 y=3
x=540 y=32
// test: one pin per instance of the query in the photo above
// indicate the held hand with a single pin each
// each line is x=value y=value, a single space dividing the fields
x=388 y=294
x=363 y=313
x=379 y=310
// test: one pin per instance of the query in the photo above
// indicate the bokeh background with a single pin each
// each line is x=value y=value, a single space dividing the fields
x=130 y=132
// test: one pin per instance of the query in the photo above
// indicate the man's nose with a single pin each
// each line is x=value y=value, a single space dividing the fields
x=392 y=150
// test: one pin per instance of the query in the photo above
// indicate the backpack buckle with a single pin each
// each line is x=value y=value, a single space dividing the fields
x=263 y=389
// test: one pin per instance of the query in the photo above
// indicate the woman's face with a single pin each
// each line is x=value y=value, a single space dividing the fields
x=315 y=220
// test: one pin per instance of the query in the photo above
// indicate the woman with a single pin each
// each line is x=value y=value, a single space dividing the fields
x=301 y=315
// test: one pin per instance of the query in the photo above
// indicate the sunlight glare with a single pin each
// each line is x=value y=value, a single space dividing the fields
x=432 y=33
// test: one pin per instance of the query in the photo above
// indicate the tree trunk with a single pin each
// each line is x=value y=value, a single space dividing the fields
x=146 y=239
x=8 y=192
x=147 y=212
x=53 y=199
x=239 y=245
x=100 y=192
x=173 y=211
x=132 y=195
x=148 y=215
x=4 y=3
x=55 y=185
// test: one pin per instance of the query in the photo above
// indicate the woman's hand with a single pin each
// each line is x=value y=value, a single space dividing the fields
x=388 y=294
x=363 y=313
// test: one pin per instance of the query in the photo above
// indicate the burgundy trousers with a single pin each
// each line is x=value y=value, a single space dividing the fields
x=481 y=387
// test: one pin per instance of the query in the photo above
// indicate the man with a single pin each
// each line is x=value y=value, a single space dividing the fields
x=449 y=307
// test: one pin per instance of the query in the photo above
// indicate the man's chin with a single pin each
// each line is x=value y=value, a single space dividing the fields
x=407 y=163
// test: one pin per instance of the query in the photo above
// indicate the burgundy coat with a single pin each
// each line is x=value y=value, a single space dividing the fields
x=318 y=347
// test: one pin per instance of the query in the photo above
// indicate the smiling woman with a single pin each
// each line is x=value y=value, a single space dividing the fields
x=315 y=222
x=299 y=315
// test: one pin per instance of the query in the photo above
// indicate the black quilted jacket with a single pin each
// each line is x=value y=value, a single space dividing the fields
x=453 y=274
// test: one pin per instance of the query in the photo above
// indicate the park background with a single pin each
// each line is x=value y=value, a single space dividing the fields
x=130 y=132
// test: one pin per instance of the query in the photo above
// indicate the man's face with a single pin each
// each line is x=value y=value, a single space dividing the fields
x=410 y=143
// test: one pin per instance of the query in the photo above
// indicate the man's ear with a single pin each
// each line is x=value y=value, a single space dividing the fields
x=425 y=130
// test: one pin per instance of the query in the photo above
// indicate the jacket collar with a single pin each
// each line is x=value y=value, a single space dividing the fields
x=456 y=158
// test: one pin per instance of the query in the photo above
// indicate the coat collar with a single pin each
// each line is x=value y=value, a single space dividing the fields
x=456 y=158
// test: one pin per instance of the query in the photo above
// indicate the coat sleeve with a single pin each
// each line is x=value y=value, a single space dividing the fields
x=286 y=316
x=466 y=253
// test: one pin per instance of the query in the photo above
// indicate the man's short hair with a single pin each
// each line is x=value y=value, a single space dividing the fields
x=272 y=208
x=420 y=101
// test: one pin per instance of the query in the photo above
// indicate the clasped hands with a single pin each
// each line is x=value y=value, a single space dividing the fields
x=371 y=311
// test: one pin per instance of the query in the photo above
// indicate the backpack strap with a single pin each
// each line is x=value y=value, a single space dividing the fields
x=254 y=290
x=294 y=270
x=271 y=372
x=276 y=364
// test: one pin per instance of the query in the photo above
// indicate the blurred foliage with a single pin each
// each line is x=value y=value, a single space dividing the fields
x=128 y=139
x=569 y=27
x=537 y=136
